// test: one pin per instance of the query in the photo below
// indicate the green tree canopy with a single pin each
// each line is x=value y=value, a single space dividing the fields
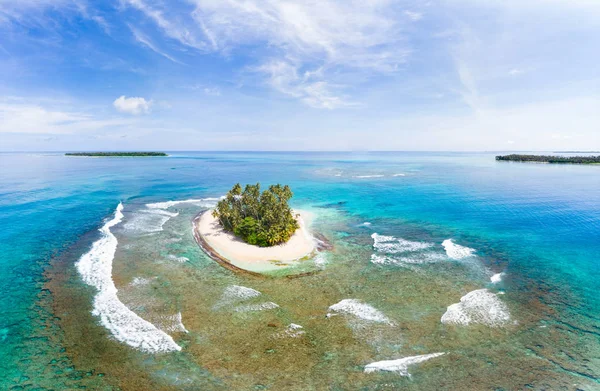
x=263 y=219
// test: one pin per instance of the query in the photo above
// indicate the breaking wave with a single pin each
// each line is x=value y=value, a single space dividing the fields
x=406 y=260
x=178 y=259
x=393 y=245
x=293 y=330
x=320 y=260
x=235 y=294
x=155 y=215
x=148 y=220
x=269 y=305
x=496 y=278
x=95 y=268
x=479 y=306
x=359 y=310
x=391 y=250
x=203 y=202
x=400 y=365
x=456 y=251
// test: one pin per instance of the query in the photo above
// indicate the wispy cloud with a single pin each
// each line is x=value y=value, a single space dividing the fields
x=311 y=90
x=24 y=116
x=413 y=15
x=145 y=41
x=323 y=38
x=173 y=29
x=212 y=91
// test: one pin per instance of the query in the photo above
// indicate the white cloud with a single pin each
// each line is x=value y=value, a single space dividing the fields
x=173 y=29
x=284 y=77
x=33 y=13
x=212 y=91
x=21 y=116
x=413 y=15
x=325 y=38
x=133 y=105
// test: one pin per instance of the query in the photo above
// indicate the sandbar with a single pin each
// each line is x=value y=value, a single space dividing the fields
x=255 y=258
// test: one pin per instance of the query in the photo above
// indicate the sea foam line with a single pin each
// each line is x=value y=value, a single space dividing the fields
x=95 y=268
x=205 y=202
x=400 y=365
x=393 y=245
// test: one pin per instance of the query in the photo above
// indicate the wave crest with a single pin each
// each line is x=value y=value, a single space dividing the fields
x=95 y=268
x=456 y=251
x=400 y=365
x=359 y=310
x=479 y=306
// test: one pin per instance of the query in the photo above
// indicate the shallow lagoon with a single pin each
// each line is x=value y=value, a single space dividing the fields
x=537 y=224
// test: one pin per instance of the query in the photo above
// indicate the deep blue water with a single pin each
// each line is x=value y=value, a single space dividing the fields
x=542 y=222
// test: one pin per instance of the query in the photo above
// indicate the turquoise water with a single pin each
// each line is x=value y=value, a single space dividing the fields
x=538 y=224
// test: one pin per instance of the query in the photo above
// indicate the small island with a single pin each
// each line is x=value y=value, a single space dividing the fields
x=255 y=231
x=550 y=159
x=116 y=154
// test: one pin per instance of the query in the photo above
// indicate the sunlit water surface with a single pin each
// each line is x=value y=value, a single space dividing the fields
x=525 y=238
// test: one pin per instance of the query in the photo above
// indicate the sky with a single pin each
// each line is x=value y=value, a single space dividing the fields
x=447 y=75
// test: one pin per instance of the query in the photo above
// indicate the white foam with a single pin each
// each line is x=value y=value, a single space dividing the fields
x=239 y=292
x=479 y=306
x=269 y=305
x=234 y=294
x=496 y=278
x=393 y=245
x=95 y=268
x=360 y=310
x=368 y=176
x=399 y=175
x=139 y=281
x=418 y=259
x=204 y=202
x=293 y=330
x=400 y=365
x=320 y=260
x=172 y=323
x=366 y=224
x=456 y=251
x=178 y=259
x=148 y=220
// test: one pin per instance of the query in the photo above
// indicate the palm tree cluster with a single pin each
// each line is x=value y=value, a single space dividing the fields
x=263 y=219
x=550 y=159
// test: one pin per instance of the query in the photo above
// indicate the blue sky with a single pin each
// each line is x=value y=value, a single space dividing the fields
x=299 y=75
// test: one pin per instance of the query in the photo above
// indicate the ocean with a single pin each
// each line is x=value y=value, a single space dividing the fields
x=449 y=271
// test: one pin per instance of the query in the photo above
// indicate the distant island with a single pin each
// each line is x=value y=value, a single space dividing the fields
x=116 y=154
x=550 y=159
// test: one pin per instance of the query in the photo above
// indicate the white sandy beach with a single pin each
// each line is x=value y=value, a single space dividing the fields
x=243 y=254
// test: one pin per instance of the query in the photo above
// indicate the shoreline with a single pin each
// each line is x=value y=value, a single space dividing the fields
x=236 y=255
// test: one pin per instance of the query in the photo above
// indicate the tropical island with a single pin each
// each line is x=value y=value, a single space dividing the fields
x=254 y=230
x=550 y=159
x=116 y=154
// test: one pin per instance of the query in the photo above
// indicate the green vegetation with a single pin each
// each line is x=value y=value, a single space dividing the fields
x=551 y=159
x=263 y=219
x=116 y=154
